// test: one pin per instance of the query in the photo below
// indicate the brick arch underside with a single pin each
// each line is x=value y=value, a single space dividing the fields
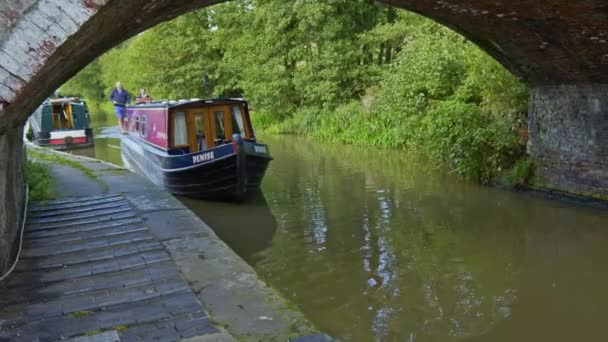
x=45 y=42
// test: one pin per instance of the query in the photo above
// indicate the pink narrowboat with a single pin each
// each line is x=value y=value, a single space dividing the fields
x=196 y=148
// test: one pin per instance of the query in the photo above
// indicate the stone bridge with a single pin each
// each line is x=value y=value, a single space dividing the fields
x=559 y=47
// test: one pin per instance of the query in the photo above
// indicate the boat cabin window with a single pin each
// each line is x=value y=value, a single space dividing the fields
x=237 y=121
x=220 y=132
x=180 y=132
x=137 y=122
x=62 y=116
x=199 y=131
x=195 y=129
x=144 y=120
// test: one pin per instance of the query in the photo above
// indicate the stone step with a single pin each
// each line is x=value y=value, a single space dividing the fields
x=87 y=256
x=88 y=269
x=45 y=204
x=42 y=234
x=60 y=213
x=31 y=227
x=78 y=216
x=180 y=307
x=34 y=292
x=100 y=300
x=45 y=251
x=83 y=203
x=84 y=236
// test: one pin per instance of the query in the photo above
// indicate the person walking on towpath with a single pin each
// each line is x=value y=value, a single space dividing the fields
x=120 y=98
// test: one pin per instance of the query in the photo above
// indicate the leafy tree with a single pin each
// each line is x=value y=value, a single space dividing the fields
x=341 y=70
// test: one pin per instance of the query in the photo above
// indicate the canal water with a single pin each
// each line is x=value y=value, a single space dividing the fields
x=374 y=245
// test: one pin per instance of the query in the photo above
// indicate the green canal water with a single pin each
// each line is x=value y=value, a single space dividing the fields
x=374 y=245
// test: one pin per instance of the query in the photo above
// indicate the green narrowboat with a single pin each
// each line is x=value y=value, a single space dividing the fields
x=62 y=124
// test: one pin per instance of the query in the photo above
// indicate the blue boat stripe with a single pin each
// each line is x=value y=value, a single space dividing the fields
x=197 y=165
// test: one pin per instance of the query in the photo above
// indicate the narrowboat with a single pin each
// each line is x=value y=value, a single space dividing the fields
x=196 y=148
x=62 y=123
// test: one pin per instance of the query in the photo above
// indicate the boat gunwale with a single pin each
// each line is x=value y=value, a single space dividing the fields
x=168 y=156
x=174 y=104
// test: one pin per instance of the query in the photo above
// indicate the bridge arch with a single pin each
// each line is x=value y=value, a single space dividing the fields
x=45 y=42
x=560 y=48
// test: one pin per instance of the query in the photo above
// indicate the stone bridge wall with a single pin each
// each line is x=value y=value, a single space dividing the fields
x=568 y=133
x=11 y=193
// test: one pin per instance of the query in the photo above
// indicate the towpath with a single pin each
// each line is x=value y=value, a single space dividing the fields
x=114 y=258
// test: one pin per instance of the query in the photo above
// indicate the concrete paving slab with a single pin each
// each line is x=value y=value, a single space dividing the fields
x=71 y=182
x=107 y=336
x=172 y=224
x=211 y=338
x=153 y=201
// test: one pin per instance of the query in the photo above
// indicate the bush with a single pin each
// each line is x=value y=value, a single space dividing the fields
x=460 y=136
x=520 y=174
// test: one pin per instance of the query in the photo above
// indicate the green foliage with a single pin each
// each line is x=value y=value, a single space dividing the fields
x=37 y=177
x=82 y=313
x=87 y=84
x=520 y=174
x=339 y=71
x=449 y=100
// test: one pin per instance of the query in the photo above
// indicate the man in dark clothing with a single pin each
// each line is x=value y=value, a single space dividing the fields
x=120 y=98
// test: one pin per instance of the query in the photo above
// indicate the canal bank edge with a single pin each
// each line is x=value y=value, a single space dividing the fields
x=229 y=289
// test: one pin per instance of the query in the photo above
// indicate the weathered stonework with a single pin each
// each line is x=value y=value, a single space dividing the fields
x=45 y=42
x=11 y=193
x=569 y=137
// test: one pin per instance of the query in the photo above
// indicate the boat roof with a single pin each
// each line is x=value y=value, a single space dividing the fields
x=64 y=100
x=179 y=103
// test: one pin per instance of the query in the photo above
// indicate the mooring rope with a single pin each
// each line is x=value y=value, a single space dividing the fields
x=10 y=270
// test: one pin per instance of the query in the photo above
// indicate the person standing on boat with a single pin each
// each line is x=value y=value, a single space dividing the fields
x=143 y=97
x=120 y=98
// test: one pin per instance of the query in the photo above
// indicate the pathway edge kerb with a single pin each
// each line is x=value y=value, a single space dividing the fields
x=30 y=144
x=268 y=299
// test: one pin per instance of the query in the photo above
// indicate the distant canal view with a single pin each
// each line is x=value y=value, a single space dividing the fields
x=374 y=245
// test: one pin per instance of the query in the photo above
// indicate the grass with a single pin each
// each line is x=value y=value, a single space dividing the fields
x=118 y=328
x=82 y=313
x=55 y=158
x=38 y=178
x=93 y=332
x=520 y=174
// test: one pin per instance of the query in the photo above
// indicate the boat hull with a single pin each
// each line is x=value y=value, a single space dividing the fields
x=64 y=139
x=231 y=172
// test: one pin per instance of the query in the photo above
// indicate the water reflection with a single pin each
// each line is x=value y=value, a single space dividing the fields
x=107 y=145
x=374 y=246
x=247 y=228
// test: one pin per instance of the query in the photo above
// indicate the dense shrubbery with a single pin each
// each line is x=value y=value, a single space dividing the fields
x=338 y=71
x=442 y=97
